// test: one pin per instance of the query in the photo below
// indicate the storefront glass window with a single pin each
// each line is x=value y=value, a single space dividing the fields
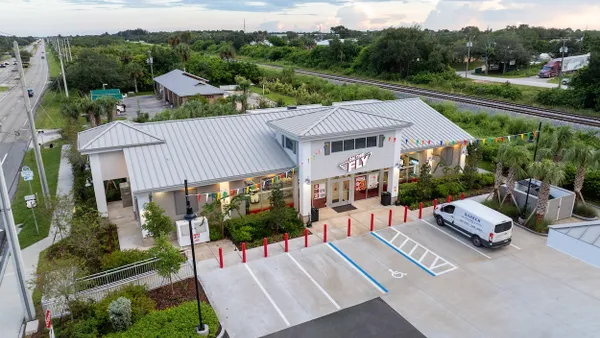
x=410 y=168
x=259 y=198
x=348 y=145
x=366 y=185
x=337 y=146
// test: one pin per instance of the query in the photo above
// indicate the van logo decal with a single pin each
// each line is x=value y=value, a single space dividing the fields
x=472 y=217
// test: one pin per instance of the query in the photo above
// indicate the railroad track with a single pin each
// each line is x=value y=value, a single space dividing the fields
x=489 y=103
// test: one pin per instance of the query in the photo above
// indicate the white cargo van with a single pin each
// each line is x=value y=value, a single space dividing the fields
x=484 y=226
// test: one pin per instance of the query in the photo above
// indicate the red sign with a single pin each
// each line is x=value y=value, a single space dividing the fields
x=48 y=319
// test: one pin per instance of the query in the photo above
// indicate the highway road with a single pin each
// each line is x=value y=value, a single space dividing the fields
x=13 y=116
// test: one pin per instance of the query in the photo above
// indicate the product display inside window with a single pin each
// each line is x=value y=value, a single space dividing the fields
x=259 y=198
x=366 y=185
x=319 y=194
x=409 y=171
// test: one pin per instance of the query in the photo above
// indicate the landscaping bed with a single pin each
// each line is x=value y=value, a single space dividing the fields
x=182 y=291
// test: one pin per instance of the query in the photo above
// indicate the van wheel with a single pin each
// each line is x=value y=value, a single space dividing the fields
x=439 y=220
x=476 y=241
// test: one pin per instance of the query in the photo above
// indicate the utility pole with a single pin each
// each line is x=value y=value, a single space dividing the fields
x=69 y=47
x=469 y=45
x=13 y=245
x=62 y=69
x=563 y=50
x=36 y=145
x=149 y=61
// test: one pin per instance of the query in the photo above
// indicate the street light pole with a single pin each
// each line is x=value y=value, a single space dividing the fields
x=563 y=50
x=469 y=45
x=150 y=62
x=201 y=329
x=62 y=69
x=537 y=141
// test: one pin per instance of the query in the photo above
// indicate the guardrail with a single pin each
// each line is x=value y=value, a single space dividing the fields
x=99 y=285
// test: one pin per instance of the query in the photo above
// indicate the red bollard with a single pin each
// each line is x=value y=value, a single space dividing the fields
x=306 y=238
x=243 y=252
x=349 y=226
x=420 y=210
x=462 y=195
x=449 y=199
x=390 y=219
x=265 y=244
x=285 y=237
x=435 y=204
x=405 y=213
x=325 y=233
x=372 y=222
x=221 y=257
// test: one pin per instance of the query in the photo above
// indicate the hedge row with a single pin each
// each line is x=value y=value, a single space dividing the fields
x=408 y=194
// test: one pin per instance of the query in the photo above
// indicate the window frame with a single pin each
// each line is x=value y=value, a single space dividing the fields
x=333 y=146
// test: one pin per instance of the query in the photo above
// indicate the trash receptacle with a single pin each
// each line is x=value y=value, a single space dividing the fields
x=386 y=198
x=314 y=214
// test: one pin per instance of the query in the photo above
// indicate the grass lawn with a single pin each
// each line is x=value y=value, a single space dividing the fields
x=3 y=89
x=289 y=101
x=527 y=72
x=489 y=166
x=48 y=114
x=28 y=234
x=53 y=64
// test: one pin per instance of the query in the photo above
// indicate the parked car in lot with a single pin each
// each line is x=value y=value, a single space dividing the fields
x=484 y=226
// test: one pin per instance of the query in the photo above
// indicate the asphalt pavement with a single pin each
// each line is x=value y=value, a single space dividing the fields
x=525 y=81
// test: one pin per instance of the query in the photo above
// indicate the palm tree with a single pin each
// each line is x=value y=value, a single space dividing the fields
x=135 y=71
x=226 y=52
x=91 y=109
x=184 y=52
x=583 y=156
x=498 y=178
x=515 y=157
x=243 y=85
x=106 y=106
x=548 y=173
x=555 y=145
x=71 y=108
x=174 y=41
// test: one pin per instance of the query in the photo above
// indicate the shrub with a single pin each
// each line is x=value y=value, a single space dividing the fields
x=585 y=210
x=123 y=257
x=157 y=223
x=507 y=209
x=254 y=227
x=557 y=97
x=141 y=304
x=178 y=321
x=119 y=312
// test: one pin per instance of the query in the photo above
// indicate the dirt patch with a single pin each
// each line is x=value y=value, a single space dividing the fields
x=182 y=291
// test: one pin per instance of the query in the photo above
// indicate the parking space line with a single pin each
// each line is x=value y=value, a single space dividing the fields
x=395 y=236
x=413 y=250
x=267 y=295
x=315 y=282
x=514 y=246
x=424 y=268
x=401 y=245
x=423 y=255
x=456 y=239
x=368 y=277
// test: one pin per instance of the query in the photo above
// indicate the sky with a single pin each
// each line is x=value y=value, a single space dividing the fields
x=72 y=17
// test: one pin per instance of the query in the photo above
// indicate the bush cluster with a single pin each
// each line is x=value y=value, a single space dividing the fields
x=253 y=228
x=119 y=258
x=409 y=194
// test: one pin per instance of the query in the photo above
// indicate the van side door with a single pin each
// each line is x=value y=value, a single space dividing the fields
x=448 y=215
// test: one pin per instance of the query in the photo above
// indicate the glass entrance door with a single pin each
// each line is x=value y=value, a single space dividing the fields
x=341 y=193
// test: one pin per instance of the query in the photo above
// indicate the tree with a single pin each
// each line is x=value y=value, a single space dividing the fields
x=157 y=223
x=341 y=31
x=515 y=157
x=135 y=71
x=91 y=70
x=106 y=106
x=174 y=41
x=583 y=156
x=85 y=236
x=497 y=179
x=91 y=109
x=425 y=183
x=184 y=51
x=586 y=82
x=71 y=108
x=471 y=170
x=219 y=210
x=243 y=85
x=277 y=204
x=555 y=144
x=548 y=173
x=169 y=259
x=226 y=52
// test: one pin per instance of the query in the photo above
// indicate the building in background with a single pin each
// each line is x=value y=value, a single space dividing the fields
x=178 y=86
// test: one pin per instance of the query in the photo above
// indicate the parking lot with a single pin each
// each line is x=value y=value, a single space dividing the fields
x=145 y=103
x=430 y=276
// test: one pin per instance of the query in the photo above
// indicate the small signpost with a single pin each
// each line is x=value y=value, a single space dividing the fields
x=30 y=200
x=49 y=326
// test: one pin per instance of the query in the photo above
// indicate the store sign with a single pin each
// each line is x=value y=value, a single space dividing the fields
x=355 y=162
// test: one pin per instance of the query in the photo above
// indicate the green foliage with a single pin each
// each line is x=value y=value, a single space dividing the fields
x=470 y=172
x=410 y=193
x=508 y=209
x=177 y=322
x=586 y=82
x=157 y=223
x=220 y=72
x=557 y=97
x=277 y=211
x=254 y=227
x=169 y=258
x=424 y=184
x=585 y=210
x=90 y=70
x=119 y=312
x=194 y=109
x=119 y=258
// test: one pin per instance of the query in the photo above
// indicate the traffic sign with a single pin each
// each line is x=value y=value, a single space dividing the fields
x=29 y=197
x=27 y=173
x=48 y=319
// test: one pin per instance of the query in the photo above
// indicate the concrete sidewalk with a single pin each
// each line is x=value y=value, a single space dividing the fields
x=11 y=308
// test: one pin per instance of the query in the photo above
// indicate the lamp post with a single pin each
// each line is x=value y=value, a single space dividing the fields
x=201 y=329
x=150 y=61
x=469 y=45
x=537 y=141
x=564 y=49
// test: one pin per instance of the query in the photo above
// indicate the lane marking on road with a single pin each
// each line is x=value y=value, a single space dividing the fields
x=368 y=277
x=315 y=282
x=514 y=246
x=4 y=158
x=456 y=239
x=267 y=295
x=423 y=267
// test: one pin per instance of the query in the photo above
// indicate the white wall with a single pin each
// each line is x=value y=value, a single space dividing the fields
x=113 y=165
x=98 y=180
x=574 y=247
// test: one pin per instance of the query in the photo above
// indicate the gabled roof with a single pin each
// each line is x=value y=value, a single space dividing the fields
x=116 y=135
x=587 y=232
x=333 y=121
x=185 y=84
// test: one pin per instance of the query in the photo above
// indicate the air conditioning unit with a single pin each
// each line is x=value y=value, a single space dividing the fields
x=125 y=194
x=200 y=231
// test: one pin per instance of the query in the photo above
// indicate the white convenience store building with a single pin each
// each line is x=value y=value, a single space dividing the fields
x=325 y=156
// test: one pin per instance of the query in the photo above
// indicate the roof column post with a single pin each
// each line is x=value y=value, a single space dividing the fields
x=98 y=184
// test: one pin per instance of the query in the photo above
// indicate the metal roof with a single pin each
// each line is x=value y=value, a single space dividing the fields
x=427 y=123
x=113 y=136
x=185 y=84
x=161 y=155
x=333 y=121
x=588 y=232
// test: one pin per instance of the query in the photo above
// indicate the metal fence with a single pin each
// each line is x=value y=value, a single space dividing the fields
x=99 y=285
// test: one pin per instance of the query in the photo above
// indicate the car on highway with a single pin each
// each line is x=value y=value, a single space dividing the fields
x=30 y=92
x=43 y=57
x=7 y=63
x=2 y=65
x=15 y=63
x=484 y=226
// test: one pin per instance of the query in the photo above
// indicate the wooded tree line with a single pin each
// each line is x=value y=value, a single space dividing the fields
x=6 y=42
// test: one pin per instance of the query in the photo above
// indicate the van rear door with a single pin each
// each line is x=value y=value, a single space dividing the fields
x=502 y=231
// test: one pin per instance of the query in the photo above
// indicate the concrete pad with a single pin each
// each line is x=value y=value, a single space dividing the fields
x=239 y=302
x=429 y=316
x=364 y=218
x=298 y=243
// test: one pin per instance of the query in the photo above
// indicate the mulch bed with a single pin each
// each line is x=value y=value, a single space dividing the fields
x=182 y=291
